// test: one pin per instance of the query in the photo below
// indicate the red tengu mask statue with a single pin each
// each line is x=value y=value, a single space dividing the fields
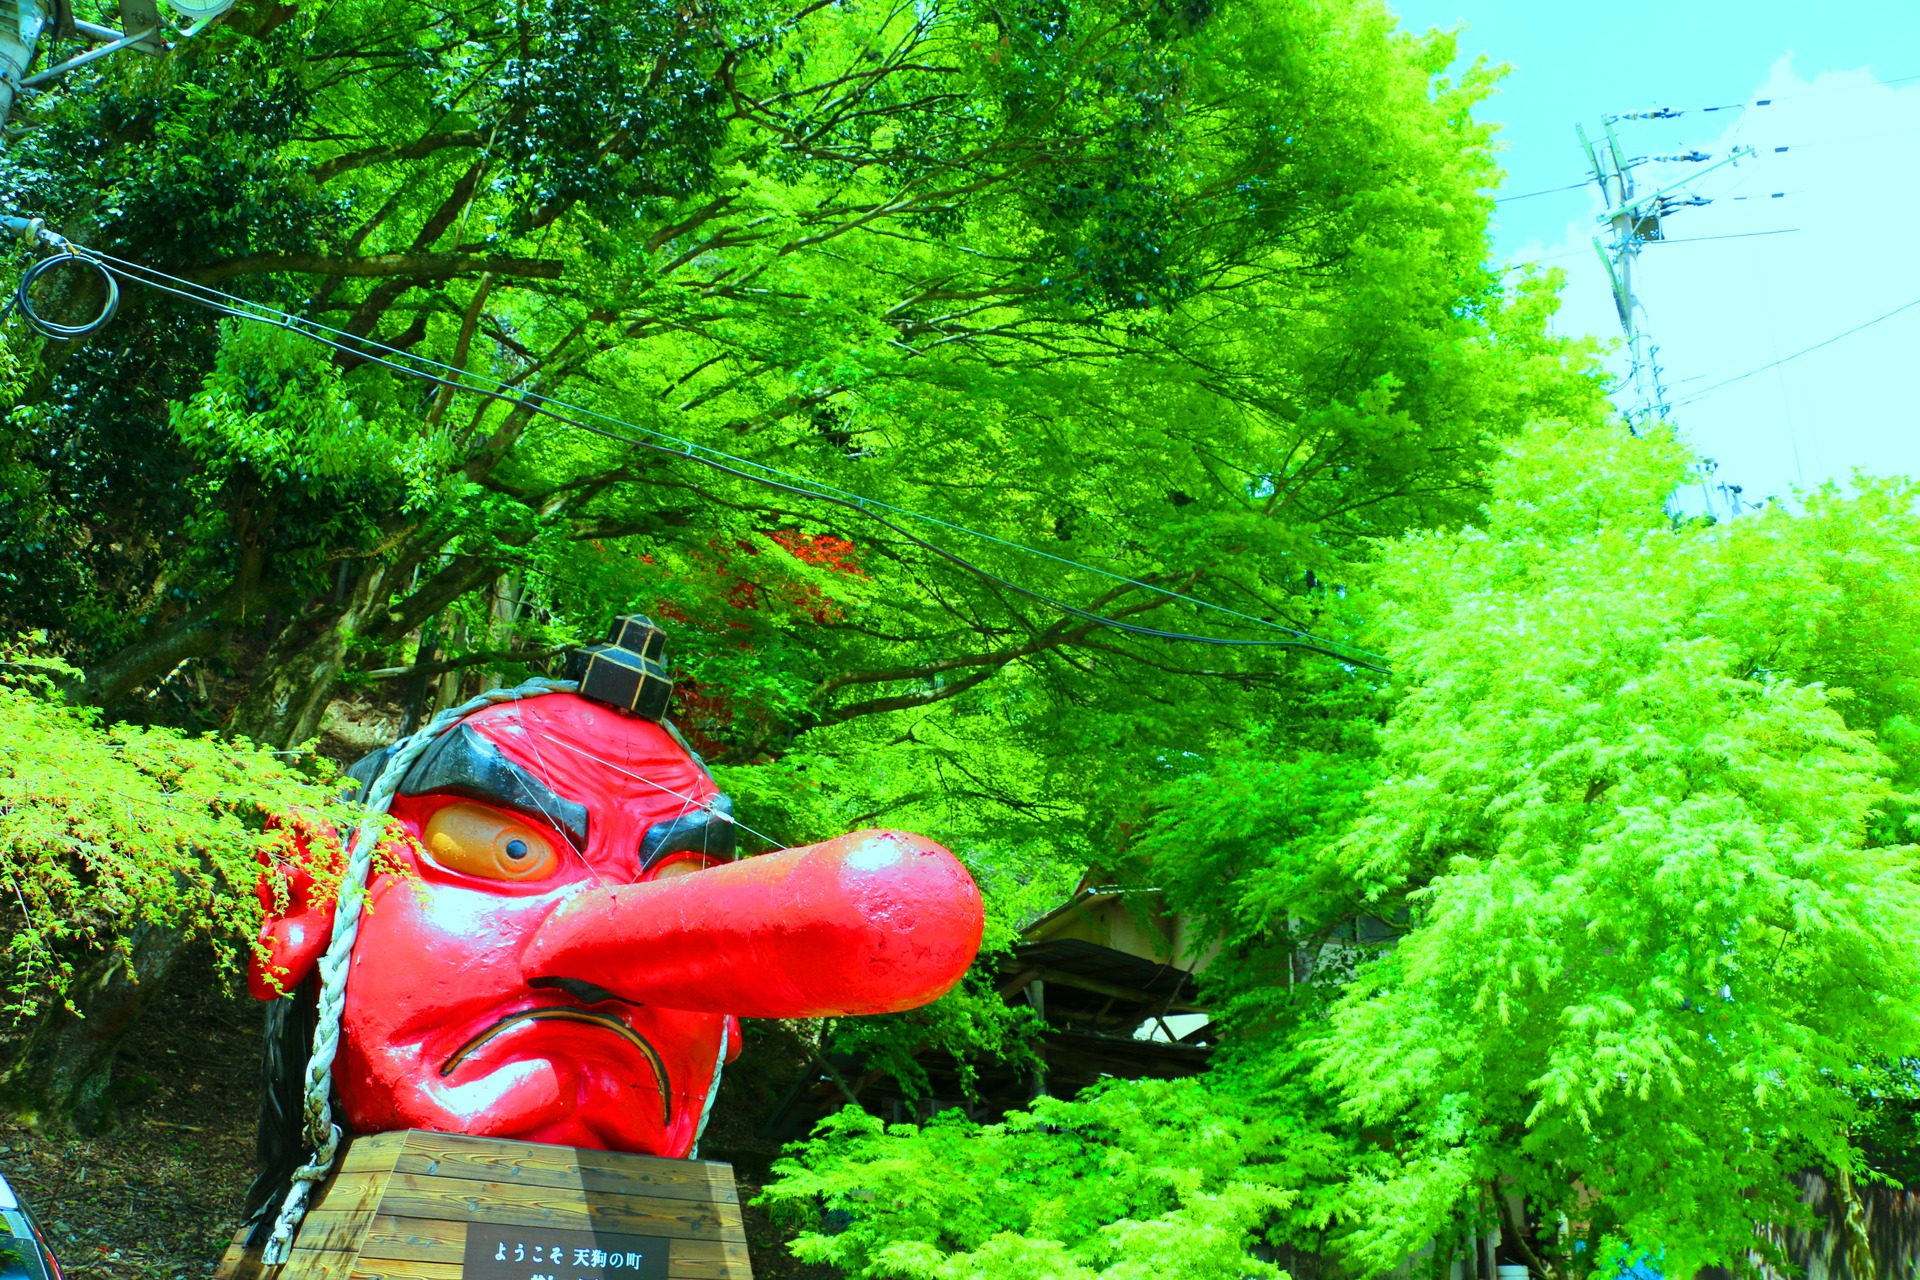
x=571 y=942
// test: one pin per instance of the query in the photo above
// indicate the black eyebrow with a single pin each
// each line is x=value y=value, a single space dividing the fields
x=710 y=832
x=464 y=763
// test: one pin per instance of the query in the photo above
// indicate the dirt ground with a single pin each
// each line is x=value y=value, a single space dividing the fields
x=159 y=1196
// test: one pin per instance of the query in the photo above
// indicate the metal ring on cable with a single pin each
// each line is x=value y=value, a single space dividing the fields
x=52 y=328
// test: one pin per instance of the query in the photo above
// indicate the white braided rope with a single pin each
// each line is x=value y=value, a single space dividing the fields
x=322 y=1134
x=713 y=1091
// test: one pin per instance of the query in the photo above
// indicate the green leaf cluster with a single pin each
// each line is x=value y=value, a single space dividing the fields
x=1662 y=920
x=1603 y=909
x=1192 y=296
x=269 y=420
x=1157 y=1179
x=107 y=828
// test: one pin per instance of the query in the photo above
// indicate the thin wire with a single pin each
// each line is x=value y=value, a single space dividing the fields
x=1669 y=113
x=23 y=298
x=1571 y=186
x=678 y=795
x=1741 y=377
x=686 y=808
x=137 y=273
x=533 y=743
x=681 y=446
x=1734 y=235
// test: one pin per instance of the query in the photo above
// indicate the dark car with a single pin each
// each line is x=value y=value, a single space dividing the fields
x=24 y=1254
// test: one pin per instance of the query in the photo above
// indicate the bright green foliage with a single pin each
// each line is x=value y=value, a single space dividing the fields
x=1194 y=295
x=289 y=462
x=269 y=413
x=1655 y=948
x=1616 y=909
x=106 y=828
x=1606 y=901
x=1155 y=1181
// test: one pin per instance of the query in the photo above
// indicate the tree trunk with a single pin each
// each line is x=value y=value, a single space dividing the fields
x=418 y=683
x=105 y=683
x=64 y=1071
x=294 y=683
x=508 y=599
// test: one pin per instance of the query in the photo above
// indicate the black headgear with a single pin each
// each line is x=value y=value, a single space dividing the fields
x=629 y=671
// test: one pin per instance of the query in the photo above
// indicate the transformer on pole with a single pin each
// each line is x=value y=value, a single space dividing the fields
x=1633 y=220
x=24 y=22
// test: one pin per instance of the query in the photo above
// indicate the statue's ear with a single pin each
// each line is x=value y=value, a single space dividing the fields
x=298 y=912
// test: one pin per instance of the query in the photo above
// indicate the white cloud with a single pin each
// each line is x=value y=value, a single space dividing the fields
x=1720 y=307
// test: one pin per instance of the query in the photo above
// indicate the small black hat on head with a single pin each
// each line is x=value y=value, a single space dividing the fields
x=629 y=671
x=637 y=633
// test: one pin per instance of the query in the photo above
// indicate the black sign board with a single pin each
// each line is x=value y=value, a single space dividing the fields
x=537 y=1253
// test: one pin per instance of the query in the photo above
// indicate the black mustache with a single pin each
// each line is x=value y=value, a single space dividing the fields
x=562 y=1014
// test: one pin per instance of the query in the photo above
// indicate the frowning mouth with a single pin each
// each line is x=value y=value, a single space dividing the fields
x=606 y=1020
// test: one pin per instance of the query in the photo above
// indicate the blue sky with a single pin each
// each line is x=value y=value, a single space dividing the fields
x=1742 y=281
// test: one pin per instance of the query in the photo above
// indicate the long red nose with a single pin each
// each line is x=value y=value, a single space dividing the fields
x=873 y=922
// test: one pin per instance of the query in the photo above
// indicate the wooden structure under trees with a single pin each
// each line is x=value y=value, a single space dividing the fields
x=1109 y=972
x=438 y=1206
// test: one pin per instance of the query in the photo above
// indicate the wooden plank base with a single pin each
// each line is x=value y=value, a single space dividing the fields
x=442 y=1206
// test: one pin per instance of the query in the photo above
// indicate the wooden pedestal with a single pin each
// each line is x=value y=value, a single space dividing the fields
x=439 y=1206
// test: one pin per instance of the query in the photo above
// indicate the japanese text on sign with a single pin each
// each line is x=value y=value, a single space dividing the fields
x=535 y=1253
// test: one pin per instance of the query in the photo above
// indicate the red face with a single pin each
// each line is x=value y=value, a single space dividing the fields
x=573 y=937
x=444 y=1031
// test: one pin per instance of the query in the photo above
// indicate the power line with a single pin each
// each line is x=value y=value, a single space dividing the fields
x=1571 y=186
x=1772 y=364
x=741 y=468
x=1674 y=113
x=1731 y=235
x=1634 y=163
x=682 y=446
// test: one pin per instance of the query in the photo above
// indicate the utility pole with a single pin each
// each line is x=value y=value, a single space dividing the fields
x=1634 y=220
x=23 y=22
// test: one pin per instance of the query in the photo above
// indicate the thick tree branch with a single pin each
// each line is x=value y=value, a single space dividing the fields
x=419 y=149
x=444 y=397
x=455 y=664
x=921 y=671
x=450 y=208
x=195 y=636
x=427 y=266
x=1513 y=1233
x=460 y=575
x=906 y=701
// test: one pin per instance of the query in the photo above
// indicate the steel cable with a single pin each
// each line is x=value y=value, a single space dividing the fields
x=464 y=380
x=23 y=297
x=690 y=452
x=243 y=309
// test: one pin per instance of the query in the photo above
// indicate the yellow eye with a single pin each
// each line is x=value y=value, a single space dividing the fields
x=680 y=864
x=476 y=840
